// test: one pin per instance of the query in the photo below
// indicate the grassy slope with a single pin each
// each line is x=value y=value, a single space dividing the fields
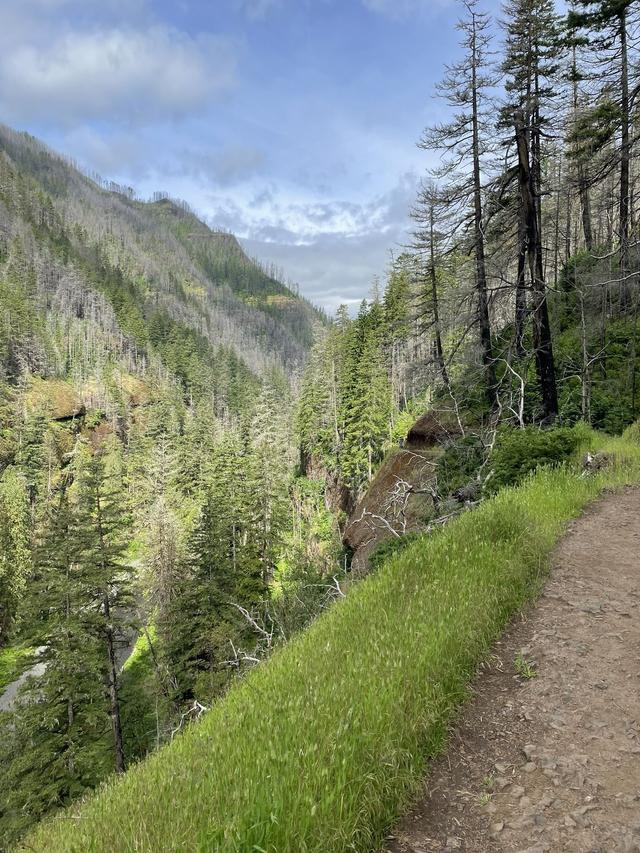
x=320 y=748
x=13 y=662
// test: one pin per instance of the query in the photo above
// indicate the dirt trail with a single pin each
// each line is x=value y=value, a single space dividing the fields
x=552 y=764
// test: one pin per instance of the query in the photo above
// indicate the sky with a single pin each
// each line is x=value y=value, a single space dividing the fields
x=291 y=123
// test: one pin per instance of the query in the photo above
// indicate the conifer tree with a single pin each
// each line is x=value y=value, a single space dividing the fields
x=531 y=67
x=56 y=734
x=102 y=528
x=465 y=142
x=15 y=547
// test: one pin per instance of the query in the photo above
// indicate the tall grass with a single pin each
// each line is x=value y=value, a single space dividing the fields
x=13 y=662
x=320 y=748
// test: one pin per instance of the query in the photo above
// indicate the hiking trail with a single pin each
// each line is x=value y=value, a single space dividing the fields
x=551 y=763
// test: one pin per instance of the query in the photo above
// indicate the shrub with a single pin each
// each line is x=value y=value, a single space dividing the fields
x=518 y=452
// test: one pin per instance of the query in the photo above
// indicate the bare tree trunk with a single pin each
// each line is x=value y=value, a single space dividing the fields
x=439 y=352
x=540 y=313
x=481 y=272
x=586 y=364
x=521 y=286
x=624 y=162
x=114 y=704
x=112 y=672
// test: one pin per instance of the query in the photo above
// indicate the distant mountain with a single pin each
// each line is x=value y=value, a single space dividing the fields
x=91 y=275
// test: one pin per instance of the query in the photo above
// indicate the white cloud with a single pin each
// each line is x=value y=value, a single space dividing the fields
x=332 y=249
x=123 y=74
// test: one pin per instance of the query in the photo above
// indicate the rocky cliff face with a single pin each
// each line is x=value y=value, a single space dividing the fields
x=401 y=497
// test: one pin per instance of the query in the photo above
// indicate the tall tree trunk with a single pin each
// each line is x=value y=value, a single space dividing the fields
x=112 y=671
x=521 y=285
x=114 y=703
x=624 y=162
x=582 y=168
x=539 y=310
x=585 y=204
x=481 y=271
x=439 y=352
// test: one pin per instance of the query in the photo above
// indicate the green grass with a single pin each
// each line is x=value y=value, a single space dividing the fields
x=140 y=713
x=321 y=748
x=13 y=662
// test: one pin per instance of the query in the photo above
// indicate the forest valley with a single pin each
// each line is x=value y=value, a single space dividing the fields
x=186 y=443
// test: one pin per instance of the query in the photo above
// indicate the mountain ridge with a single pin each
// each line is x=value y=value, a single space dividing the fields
x=68 y=223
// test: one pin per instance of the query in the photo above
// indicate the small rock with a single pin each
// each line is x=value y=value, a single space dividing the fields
x=529 y=751
x=453 y=843
x=501 y=767
x=529 y=767
x=522 y=823
x=570 y=822
x=517 y=791
x=500 y=783
x=496 y=828
x=525 y=802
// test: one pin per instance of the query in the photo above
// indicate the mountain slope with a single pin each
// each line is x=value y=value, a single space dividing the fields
x=129 y=262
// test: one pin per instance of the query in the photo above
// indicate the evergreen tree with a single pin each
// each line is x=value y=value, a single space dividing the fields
x=531 y=67
x=56 y=742
x=465 y=142
x=102 y=529
x=15 y=547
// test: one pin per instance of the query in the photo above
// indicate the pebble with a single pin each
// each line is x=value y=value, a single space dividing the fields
x=453 y=843
x=529 y=767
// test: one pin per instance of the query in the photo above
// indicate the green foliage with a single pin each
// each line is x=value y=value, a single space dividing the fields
x=614 y=374
x=144 y=706
x=291 y=758
x=15 y=547
x=459 y=463
x=390 y=547
x=57 y=742
x=14 y=660
x=524 y=668
x=518 y=452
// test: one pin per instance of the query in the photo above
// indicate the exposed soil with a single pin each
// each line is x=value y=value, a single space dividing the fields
x=551 y=764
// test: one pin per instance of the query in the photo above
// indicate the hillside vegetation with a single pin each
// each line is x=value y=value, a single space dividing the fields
x=187 y=447
x=320 y=748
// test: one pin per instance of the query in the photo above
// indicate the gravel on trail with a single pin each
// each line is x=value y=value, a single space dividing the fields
x=551 y=763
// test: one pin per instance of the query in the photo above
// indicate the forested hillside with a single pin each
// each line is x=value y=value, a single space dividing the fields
x=188 y=448
x=147 y=376
x=516 y=301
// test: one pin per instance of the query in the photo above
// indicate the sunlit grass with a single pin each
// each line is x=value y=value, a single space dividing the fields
x=321 y=748
x=14 y=660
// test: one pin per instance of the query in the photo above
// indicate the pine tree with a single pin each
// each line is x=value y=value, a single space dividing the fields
x=531 y=66
x=465 y=141
x=102 y=528
x=15 y=547
x=224 y=567
x=56 y=747
x=609 y=21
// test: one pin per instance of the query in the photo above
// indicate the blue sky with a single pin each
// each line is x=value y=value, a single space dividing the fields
x=292 y=123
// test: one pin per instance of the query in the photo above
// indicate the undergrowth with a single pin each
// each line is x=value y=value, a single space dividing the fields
x=321 y=748
x=14 y=660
